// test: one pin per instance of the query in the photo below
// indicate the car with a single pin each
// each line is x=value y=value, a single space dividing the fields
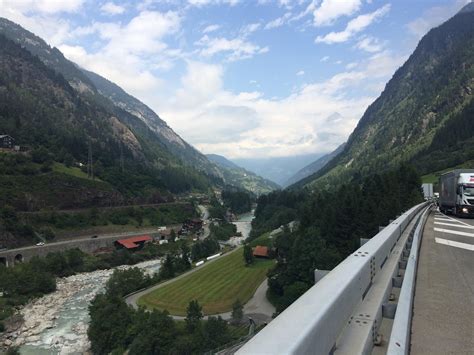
x=94 y=236
x=40 y=244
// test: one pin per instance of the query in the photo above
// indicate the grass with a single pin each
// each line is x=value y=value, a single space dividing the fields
x=216 y=286
x=264 y=240
x=73 y=171
x=433 y=178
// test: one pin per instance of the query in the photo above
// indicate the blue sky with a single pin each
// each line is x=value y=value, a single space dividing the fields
x=242 y=78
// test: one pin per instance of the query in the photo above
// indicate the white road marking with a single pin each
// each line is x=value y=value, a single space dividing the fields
x=443 y=219
x=456 y=220
x=452 y=243
x=450 y=231
x=454 y=225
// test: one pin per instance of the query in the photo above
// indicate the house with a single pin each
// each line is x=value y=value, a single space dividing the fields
x=133 y=243
x=261 y=252
x=167 y=233
x=7 y=141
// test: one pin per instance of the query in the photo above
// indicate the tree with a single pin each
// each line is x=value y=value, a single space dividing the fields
x=110 y=319
x=193 y=316
x=237 y=311
x=123 y=282
x=167 y=270
x=184 y=260
x=216 y=332
x=248 y=255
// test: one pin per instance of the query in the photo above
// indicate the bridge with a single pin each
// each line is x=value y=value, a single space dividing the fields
x=87 y=244
x=409 y=289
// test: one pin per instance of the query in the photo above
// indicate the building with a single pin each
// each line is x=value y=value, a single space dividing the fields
x=7 y=141
x=193 y=224
x=133 y=243
x=261 y=252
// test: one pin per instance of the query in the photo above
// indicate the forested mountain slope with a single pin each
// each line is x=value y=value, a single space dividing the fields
x=43 y=112
x=427 y=100
x=128 y=109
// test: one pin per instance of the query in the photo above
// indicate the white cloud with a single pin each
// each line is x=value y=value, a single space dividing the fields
x=249 y=29
x=110 y=8
x=42 y=6
x=247 y=124
x=300 y=73
x=324 y=59
x=211 y=28
x=351 y=65
x=200 y=3
x=236 y=49
x=330 y=10
x=278 y=22
x=354 y=26
x=130 y=53
x=369 y=44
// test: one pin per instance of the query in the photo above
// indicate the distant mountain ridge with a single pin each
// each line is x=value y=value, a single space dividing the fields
x=423 y=116
x=277 y=169
x=242 y=178
x=314 y=167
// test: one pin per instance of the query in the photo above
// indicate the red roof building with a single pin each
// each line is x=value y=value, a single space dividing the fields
x=134 y=242
x=260 y=251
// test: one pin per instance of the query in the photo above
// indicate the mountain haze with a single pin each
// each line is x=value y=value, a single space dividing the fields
x=277 y=169
x=314 y=167
x=242 y=178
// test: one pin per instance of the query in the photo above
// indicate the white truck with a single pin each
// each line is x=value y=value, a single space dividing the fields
x=457 y=192
x=427 y=191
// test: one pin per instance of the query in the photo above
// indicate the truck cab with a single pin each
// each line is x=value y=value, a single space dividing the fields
x=457 y=192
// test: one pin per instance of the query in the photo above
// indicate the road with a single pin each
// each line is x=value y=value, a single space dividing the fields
x=83 y=239
x=443 y=314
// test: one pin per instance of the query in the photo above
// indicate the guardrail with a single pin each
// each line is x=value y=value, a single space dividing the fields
x=313 y=323
x=400 y=336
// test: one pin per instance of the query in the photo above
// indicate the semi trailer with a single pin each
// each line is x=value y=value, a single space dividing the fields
x=457 y=192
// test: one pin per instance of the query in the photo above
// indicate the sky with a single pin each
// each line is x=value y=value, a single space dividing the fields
x=242 y=78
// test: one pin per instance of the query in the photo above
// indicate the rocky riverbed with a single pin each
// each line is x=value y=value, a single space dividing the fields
x=57 y=323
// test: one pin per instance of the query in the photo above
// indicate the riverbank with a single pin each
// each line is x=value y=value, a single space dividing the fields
x=57 y=323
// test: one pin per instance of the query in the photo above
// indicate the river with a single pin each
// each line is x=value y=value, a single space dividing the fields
x=57 y=323
x=244 y=226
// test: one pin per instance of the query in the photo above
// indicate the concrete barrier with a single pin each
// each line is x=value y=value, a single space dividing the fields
x=312 y=324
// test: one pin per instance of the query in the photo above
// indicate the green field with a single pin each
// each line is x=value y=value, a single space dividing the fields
x=216 y=286
x=73 y=171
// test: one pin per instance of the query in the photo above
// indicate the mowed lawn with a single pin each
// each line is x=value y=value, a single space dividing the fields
x=216 y=286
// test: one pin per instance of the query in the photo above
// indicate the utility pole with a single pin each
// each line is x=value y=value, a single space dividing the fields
x=90 y=167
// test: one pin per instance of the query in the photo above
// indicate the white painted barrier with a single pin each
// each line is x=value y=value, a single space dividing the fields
x=400 y=336
x=312 y=324
x=199 y=263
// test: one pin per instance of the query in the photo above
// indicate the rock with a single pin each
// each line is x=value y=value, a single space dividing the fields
x=7 y=342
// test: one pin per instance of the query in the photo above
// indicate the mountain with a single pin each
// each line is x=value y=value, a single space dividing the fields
x=314 y=167
x=239 y=177
x=175 y=144
x=63 y=127
x=278 y=169
x=424 y=114
x=109 y=95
